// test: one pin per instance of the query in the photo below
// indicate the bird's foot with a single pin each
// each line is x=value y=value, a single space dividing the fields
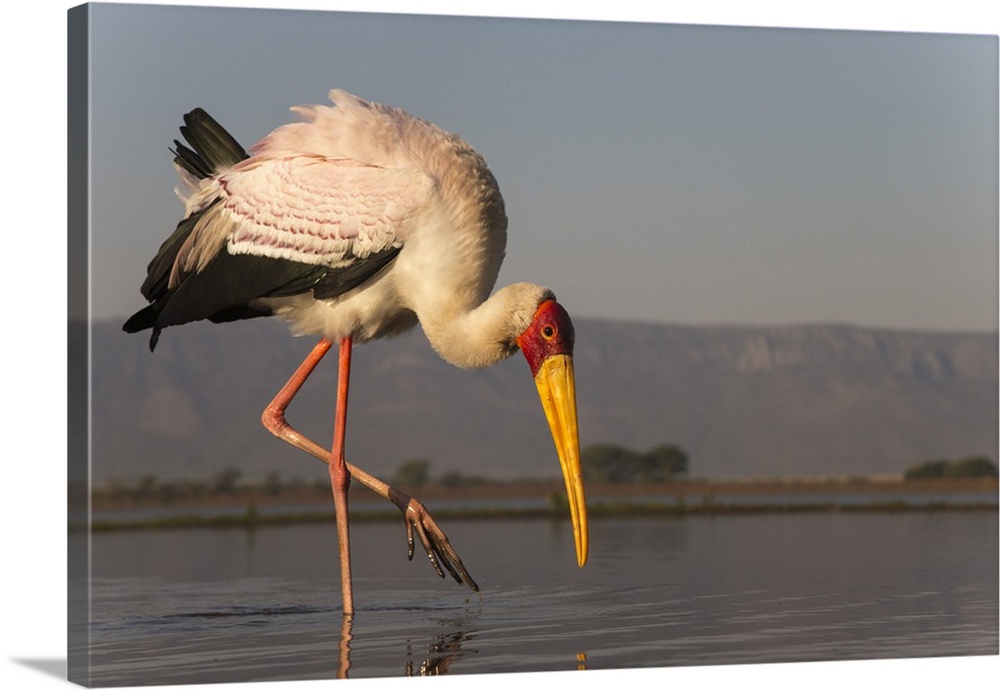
x=434 y=541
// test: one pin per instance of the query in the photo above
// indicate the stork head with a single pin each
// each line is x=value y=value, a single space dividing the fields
x=547 y=344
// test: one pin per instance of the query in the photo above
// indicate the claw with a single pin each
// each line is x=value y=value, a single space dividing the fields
x=435 y=543
x=409 y=540
x=431 y=551
x=451 y=569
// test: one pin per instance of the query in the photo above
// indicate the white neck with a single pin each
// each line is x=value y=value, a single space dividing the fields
x=487 y=334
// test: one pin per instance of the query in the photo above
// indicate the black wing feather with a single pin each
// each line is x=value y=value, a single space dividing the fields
x=158 y=270
x=341 y=280
x=231 y=282
x=223 y=292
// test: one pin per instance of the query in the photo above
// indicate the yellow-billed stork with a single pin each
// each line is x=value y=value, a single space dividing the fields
x=356 y=223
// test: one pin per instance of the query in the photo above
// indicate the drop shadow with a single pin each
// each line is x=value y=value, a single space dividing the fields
x=50 y=667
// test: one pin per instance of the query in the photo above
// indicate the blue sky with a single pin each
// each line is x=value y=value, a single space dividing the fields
x=654 y=172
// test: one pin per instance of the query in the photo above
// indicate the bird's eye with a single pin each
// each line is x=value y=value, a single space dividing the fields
x=548 y=332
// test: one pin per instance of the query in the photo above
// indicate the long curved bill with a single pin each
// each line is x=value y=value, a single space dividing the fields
x=557 y=390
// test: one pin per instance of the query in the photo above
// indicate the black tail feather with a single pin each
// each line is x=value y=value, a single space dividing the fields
x=143 y=319
x=212 y=148
x=190 y=161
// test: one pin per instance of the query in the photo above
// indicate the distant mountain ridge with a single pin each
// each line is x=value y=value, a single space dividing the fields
x=742 y=401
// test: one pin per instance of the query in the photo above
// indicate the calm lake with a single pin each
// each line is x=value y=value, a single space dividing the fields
x=229 y=605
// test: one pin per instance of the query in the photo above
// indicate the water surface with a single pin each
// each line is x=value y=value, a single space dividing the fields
x=226 y=605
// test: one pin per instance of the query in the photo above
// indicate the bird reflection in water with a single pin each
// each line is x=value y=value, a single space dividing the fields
x=346 y=635
x=441 y=652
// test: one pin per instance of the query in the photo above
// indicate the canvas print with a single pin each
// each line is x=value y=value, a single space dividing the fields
x=420 y=345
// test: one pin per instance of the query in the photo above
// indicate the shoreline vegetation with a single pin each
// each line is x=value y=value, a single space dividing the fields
x=251 y=507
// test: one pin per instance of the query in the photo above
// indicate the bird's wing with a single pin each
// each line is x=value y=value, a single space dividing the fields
x=318 y=211
x=276 y=227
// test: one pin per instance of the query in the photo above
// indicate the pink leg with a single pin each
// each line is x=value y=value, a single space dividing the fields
x=418 y=520
x=340 y=478
x=274 y=414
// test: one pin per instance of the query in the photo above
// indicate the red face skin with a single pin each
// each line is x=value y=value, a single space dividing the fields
x=550 y=333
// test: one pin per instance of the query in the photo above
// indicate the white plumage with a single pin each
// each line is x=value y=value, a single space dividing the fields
x=352 y=181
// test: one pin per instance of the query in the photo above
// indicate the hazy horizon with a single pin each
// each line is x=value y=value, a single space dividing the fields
x=118 y=320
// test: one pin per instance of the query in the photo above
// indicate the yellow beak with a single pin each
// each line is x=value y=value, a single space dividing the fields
x=557 y=390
